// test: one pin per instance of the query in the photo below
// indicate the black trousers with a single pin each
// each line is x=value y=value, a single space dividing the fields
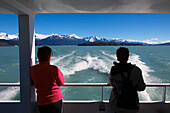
x=51 y=108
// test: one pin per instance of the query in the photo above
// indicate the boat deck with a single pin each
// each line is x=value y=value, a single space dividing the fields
x=89 y=107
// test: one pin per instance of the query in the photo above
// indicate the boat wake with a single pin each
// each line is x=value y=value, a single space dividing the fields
x=102 y=63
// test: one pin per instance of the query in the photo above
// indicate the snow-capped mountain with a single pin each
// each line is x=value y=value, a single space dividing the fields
x=117 y=40
x=94 y=39
x=56 y=39
x=5 y=36
x=64 y=37
x=73 y=39
x=75 y=36
x=41 y=36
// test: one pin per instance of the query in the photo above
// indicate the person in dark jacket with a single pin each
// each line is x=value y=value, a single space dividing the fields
x=116 y=80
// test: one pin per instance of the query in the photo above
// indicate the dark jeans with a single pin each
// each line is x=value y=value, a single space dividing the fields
x=51 y=108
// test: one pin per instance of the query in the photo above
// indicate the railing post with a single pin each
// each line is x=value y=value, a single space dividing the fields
x=102 y=94
x=164 y=94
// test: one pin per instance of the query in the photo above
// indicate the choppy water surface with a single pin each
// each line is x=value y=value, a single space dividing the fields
x=92 y=64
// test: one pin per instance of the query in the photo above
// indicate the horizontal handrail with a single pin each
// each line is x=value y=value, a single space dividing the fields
x=93 y=84
x=164 y=85
x=158 y=84
x=9 y=84
x=86 y=84
x=107 y=84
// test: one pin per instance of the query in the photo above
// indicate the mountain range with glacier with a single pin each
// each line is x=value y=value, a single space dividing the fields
x=73 y=39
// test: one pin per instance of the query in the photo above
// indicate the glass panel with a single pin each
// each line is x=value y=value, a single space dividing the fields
x=82 y=93
x=151 y=94
x=9 y=67
x=168 y=94
x=106 y=93
x=9 y=93
x=9 y=56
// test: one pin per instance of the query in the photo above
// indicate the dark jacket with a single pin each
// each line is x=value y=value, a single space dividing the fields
x=116 y=80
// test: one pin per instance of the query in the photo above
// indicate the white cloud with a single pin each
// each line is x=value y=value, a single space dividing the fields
x=148 y=41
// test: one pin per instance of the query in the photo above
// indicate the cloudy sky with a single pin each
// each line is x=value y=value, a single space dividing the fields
x=149 y=27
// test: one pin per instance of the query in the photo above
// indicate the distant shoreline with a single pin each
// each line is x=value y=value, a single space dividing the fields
x=97 y=43
x=108 y=44
x=84 y=45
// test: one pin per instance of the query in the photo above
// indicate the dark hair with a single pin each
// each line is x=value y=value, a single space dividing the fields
x=122 y=54
x=44 y=53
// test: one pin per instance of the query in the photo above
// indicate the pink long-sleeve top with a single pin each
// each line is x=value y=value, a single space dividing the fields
x=47 y=79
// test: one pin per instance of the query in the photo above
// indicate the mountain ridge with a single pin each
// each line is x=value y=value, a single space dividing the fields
x=73 y=39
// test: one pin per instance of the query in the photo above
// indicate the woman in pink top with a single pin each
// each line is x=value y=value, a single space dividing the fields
x=47 y=79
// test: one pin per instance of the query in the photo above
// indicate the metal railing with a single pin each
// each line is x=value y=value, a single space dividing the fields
x=9 y=84
x=164 y=85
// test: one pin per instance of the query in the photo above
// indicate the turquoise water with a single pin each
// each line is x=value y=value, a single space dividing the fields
x=91 y=64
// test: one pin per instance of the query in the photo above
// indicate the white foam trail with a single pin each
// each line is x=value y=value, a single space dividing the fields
x=91 y=79
x=57 y=59
x=135 y=59
x=112 y=56
x=101 y=65
x=9 y=93
x=87 y=62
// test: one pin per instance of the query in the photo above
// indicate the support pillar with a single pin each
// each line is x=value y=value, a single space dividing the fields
x=27 y=59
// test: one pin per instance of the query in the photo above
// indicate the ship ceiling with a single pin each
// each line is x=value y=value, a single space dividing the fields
x=80 y=6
